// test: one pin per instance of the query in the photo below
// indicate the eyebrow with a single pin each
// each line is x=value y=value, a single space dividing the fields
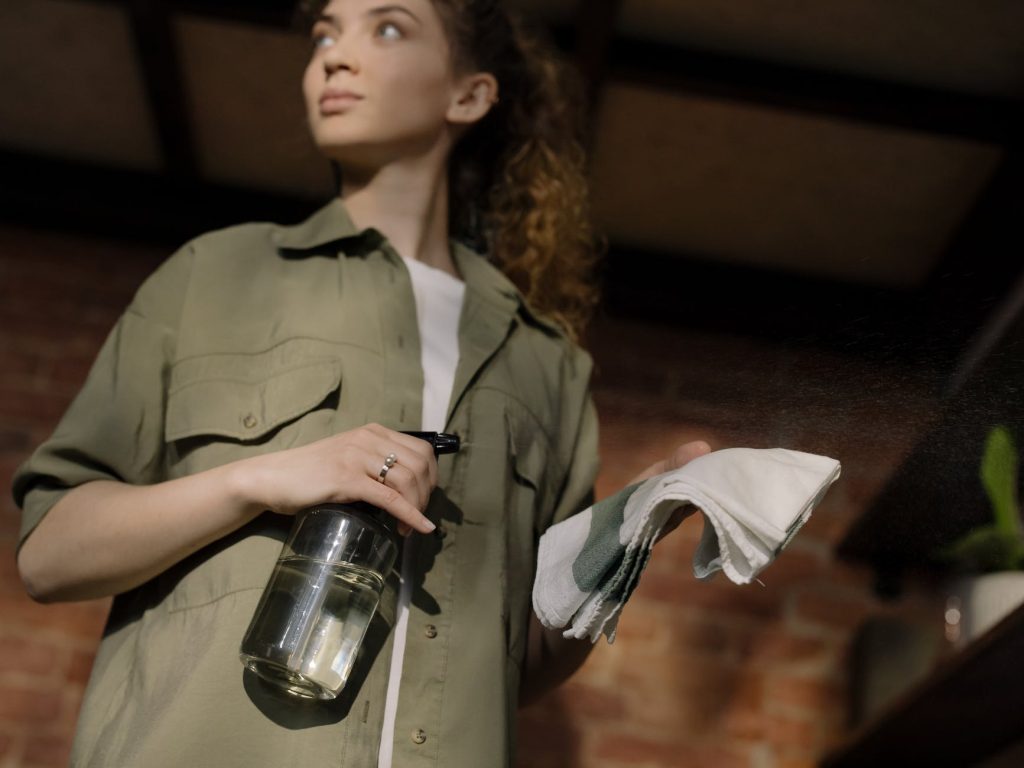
x=380 y=10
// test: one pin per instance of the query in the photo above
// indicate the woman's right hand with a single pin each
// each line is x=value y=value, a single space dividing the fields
x=346 y=468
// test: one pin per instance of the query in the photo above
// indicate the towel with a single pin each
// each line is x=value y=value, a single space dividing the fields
x=754 y=500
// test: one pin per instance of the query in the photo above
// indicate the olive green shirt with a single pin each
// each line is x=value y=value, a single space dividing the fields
x=262 y=337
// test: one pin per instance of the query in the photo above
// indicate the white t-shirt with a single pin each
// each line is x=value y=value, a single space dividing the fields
x=438 y=307
x=439 y=298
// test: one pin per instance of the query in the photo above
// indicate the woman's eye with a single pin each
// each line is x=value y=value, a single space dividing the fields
x=321 y=36
x=389 y=31
x=322 y=41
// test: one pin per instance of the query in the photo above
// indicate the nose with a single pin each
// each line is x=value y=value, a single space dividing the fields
x=339 y=56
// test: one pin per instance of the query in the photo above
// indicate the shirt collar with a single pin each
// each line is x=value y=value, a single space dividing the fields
x=327 y=225
x=493 y=285
x=332 y=224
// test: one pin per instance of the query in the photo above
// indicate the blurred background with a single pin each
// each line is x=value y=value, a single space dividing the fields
x=814 y=211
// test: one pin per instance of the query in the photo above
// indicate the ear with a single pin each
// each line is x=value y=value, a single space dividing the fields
x=473 y=97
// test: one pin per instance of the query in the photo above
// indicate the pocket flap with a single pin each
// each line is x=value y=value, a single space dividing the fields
x=528 y=446
x=243 y=408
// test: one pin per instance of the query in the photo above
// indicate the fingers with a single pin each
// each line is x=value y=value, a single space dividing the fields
x=413 y=475
x=412 y=452
x=685 y=453
x=655 y=469
x=394 y=503
x=406 y=482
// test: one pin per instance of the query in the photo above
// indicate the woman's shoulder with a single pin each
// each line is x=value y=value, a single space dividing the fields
x=229 y=267
x=249 y=254
x=234 y=241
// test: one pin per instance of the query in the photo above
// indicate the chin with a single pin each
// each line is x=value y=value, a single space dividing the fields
x=352 y=154
x=349 y=150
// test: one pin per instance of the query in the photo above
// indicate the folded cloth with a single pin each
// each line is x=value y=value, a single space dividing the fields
x=754 y=500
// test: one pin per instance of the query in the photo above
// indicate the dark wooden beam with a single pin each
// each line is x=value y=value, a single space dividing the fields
x=76 y=198
x=853 y=98
x=157 y=52
x=983 y=261
x=270 y=13
x=595 y=29
x=60 y=195
x=885 y=324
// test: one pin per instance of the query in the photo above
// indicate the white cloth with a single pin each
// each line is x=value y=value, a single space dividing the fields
x=753 y=500
x=439 y=299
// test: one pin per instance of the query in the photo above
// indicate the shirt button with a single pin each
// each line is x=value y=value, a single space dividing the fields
x=419 y=736
x=250 y=421
x=430 y=631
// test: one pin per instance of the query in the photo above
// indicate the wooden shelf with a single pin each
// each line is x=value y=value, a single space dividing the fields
x=967 y=710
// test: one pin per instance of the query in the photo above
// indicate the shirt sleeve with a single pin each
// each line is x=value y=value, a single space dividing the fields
x=580 y=429
x=113 y=429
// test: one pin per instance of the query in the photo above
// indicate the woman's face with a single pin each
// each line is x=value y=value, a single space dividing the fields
x=379 y=84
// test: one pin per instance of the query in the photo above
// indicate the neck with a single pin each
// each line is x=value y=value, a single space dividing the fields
x=407 y=201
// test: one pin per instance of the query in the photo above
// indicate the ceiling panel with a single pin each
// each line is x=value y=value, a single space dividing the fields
x=71 y=84
x=771 y=188
x=975 y=46
x=244 y=89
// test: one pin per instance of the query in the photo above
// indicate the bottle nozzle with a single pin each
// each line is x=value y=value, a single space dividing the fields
x=442 y=442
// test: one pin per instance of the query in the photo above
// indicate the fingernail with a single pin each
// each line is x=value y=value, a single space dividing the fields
x=430 y=525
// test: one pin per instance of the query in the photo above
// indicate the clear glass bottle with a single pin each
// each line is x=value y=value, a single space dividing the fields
x=322 y=594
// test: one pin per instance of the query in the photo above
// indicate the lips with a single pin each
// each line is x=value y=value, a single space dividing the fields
x=336 y=100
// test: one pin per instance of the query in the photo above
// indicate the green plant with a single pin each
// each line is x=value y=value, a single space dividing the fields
x=999 y=545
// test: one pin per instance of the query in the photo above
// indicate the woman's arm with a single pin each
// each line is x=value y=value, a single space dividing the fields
x=103 y=538
x=551 y=659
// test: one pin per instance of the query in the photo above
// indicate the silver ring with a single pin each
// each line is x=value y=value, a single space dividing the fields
x=389 y=461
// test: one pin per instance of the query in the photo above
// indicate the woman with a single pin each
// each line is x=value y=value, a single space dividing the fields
x=265 y=368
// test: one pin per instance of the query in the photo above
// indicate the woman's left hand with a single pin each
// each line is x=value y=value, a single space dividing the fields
x=680 y=456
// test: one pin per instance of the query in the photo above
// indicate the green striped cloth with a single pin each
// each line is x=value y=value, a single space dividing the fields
x=753 y=500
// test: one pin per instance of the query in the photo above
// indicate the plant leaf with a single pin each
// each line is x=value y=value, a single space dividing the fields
x=999 y=478
x=987 y=548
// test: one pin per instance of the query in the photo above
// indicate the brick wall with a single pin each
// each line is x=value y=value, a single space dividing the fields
x=701 y=674
x=58 y=298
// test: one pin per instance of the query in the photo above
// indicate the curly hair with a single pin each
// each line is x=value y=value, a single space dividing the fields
x=517 y=179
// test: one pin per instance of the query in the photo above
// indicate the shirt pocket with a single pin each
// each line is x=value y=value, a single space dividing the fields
x=529 y=456
x=246 y=397
x=224 y=407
